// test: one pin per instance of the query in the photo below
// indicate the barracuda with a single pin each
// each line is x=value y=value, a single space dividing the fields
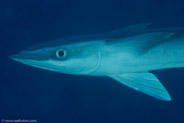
x=126 y=55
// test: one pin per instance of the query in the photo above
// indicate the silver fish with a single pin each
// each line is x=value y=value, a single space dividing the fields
x=126 y=55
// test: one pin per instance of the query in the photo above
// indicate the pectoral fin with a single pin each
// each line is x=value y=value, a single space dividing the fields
x=143 y=43
x=144 y=82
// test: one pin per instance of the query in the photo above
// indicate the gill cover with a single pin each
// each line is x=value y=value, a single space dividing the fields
x=80 y=58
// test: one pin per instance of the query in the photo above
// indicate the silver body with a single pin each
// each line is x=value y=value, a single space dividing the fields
x=116 y=58
x=126 y=55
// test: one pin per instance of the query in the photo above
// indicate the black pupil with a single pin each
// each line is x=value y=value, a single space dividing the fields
x=61 y=53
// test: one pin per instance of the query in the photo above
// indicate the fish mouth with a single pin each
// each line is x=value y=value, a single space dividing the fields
x=25 y=55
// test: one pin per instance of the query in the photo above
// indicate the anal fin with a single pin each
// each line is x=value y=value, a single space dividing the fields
x=144 y=82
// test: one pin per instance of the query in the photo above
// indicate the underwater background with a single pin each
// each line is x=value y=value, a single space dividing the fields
x=48 y=97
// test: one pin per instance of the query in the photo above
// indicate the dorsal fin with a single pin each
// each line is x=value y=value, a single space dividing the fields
x=133 y=28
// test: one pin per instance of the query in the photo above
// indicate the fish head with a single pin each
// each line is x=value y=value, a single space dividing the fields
x=76 y=58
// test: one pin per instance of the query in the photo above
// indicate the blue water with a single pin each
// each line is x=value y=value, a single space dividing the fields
x=48 y=97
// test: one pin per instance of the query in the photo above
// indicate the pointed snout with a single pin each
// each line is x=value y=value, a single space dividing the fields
x=25 y=55
x=17 y=56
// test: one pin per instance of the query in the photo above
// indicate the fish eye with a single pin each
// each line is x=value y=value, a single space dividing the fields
x=61 y=53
